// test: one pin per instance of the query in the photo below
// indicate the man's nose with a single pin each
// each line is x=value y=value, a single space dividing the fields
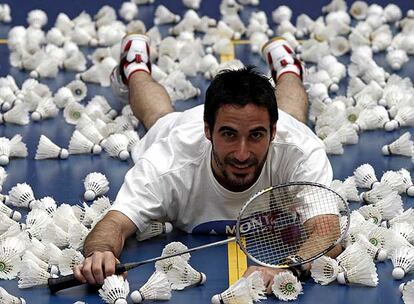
x=242 y=153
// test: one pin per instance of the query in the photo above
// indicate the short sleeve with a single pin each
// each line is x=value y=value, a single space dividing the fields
x=142 y=196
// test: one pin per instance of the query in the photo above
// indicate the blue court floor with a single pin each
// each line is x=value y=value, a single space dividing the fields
x=63 y=180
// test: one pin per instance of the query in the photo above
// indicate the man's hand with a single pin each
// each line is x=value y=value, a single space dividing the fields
x=267 y=275
x=96 y=267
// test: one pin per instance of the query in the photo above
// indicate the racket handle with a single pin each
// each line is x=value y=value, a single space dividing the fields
x=57 y=284
x=68 y=281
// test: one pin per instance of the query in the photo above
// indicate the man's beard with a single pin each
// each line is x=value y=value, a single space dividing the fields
x=237 y=183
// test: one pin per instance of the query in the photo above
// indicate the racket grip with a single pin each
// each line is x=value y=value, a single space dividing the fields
x=68 y=281
x=57 y=284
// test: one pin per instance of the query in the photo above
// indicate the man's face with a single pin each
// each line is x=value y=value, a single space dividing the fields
x=240 y=141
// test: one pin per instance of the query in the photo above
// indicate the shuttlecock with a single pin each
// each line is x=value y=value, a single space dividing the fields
x=371 y=119
x=156 y=288
x=359 y=10
x=397 y=58
x=14 y=215
x=377 y=193
x=401 y=146
x=377 y=254
x=286 y=286
x=236 y=293
x=403 y=261
x=371 y=212
x=404 y=229
x=154 y=229
x=399 y=181
x=37 y=221
x=403 y=118
x=21 y=195
x=47 y=204
x=5 y=13
x=47 y=149
x=163 y=16
x=361 y=271
x=339 y=45
x=73 y=112
x=79 y=144
x=32 y=275
x=116 y=145
x=77 y=235
x=407 y=290
x=99 y=73
x=128 y=11
x=78 y=89
x=96 y=184
x=30 y=256
x=180 y=274
x=365 y=176
x=324 y=270
x=114 y=290
x=10 y=261
x=69 y=258
x=18 y=115
x=10 y=299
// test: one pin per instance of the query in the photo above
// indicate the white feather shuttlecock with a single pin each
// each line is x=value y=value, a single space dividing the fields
x=350 y=189
x=47 y=149
x=377 y=254
x=401 y=146
x=383 y=238
x=14 y=215
x=286 y=286
x=64 y=217
x=37 y=18
x=47 y=204
x=73 y=112
x=365 y=176
x=403 y=261
x=332 y=144
x=99 y=73
x=56 y=235
x=156 y=288
x=96 y=184
x=10 y=262
x=133 y=138
x=390 y=206
x=62 y=97
x=257 y=286
x=399 y=181
x=91 y=213
x=324 y=270
x=114 y=290
x=128 y=11
x=362 y=271
x=403 y=118
x=406 y=216
x=69 y=258
x=116 y=145
x=376 y=194
x=32 y=275
x=17 y=147
x=78 y=88
x=180 y=274
x=372 y=213
x=397 y=58
x=371 y=119
x=45 y=109
x=5 y=223
x=37 y=221
x=3 y=176
x=18 y=115
x=163 y=16
x=407 y=290
x=93 y=134
x=29 y=255
x=21 y=195
x=404 y=229
x=77 y=235
x=7 y=298
x=154 y=229
x=236 y=293
x=79 y=144
x=176 y=247
x=4 y=151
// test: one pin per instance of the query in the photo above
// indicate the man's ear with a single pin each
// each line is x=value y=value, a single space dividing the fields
x=207 y=131
x=273 y=131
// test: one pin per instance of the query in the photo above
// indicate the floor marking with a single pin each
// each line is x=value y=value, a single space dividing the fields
x=237 y=260
x=3 y=41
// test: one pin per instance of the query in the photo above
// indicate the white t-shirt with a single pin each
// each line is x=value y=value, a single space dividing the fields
x=172 y=177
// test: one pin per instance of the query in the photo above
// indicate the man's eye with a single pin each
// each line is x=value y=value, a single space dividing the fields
x=228 y=134
x=256 y=135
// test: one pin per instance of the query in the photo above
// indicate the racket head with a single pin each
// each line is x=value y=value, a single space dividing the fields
x=291 y=224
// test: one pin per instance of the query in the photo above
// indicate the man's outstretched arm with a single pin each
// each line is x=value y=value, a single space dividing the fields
x=103 y=246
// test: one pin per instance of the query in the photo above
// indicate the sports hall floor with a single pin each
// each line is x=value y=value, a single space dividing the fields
x=63 y=180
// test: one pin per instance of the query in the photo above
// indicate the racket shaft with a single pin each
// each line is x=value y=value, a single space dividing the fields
x=68 y=281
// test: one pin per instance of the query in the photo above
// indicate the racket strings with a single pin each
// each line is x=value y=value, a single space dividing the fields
x=274 y=224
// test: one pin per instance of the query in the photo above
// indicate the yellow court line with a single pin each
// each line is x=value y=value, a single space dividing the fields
x=3 y=41
x=237 y=260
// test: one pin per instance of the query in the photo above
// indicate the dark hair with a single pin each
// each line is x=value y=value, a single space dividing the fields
x=239 y=87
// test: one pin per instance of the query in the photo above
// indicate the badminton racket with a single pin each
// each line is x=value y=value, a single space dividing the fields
x=280 y=227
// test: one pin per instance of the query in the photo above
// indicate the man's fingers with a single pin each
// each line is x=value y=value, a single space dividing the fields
x=87 y=271
x=77 y=271
x=97 y=268
x=109 y=263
